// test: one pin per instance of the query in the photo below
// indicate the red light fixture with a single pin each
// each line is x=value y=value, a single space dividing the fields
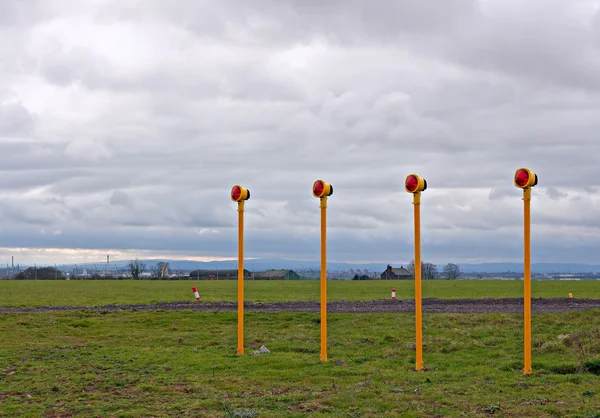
x=411 y=183
x=414 y=184
x=318 y=188
x=521 y=178
x=525 y=178
x=238 y=193
x=322 y=189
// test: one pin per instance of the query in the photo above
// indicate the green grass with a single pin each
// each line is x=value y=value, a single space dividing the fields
x=130 y=364
x=105 y=292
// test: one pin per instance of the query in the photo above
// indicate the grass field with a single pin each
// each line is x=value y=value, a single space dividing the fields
x=105 y=292
x=181 y=363
x=127 y=364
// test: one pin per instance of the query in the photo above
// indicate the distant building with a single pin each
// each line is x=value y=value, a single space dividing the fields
x=391 y=273
x=218 y=274
x=277 y=275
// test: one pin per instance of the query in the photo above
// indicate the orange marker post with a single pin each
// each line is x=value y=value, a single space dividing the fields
x=415 y=185
x=240 y=195
x=526 y=179
x=322 y=190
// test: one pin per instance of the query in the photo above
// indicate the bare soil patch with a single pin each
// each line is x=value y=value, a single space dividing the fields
x=431 y=305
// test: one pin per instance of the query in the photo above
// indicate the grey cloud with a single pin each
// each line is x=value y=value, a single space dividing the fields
x=27 y=13
x=547 y=42
x=146 y=116
x=120 y=198
x=26 y=177
x=293 y=21
x=554 y=193
x=501 y=193
x=59 y=73
x=35 y=210
x=198 y=73
x=17 y=12
x=15 y=120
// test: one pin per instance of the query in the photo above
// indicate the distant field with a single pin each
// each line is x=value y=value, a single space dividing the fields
x=183 y=364
x=107 y=292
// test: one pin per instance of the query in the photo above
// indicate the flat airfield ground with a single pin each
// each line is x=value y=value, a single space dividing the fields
x=29 y=293
x=145 y=348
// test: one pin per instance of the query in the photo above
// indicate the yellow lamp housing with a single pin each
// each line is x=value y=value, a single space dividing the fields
x=525 y=178
x=238 y=193
x=415 y=184
x=322 y=189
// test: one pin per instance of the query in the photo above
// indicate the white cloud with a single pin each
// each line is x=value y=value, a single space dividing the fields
x=87 y=149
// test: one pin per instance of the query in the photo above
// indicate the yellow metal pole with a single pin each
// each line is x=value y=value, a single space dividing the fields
x=527 y=278
x=418 y=307
x=323 y=207
x=240 y=277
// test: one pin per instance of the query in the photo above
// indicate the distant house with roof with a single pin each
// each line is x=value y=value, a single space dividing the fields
x=218 y=274
x=392 y=273
x=277 y=275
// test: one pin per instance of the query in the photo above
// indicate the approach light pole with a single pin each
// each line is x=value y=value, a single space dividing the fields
x=526 y=179
x=322 y=190
x=240 y=195
x=415 y=185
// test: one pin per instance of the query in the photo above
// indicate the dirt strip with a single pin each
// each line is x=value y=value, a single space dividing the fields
x=505 y=305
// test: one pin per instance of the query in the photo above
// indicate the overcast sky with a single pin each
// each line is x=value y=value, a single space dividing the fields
x=124 y=125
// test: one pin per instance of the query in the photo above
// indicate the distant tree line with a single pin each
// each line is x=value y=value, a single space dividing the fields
x=134 y=270
x=137 y=268
x=40 y=273
x=429 y=271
